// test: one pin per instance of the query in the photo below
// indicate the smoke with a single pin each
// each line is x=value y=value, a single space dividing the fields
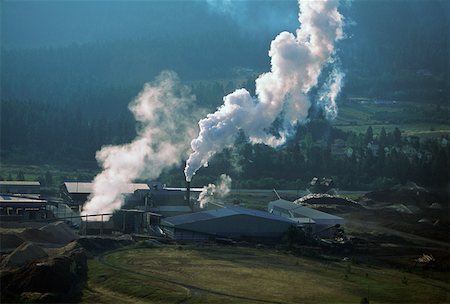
x=212 y=192
x=282 y=93
x=162 y=110
x=329 y=93
x=261 y=18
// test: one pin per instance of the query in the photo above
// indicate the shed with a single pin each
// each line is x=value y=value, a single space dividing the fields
x=228 y=222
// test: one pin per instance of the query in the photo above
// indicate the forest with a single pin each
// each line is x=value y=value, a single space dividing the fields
x=50 y=134
x=61 y=102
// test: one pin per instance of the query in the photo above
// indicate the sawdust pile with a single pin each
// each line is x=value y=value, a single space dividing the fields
x=9 y=242
x=23 y=254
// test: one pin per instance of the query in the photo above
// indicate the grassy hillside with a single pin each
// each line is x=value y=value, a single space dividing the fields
x=211 y=274
x=418 y=119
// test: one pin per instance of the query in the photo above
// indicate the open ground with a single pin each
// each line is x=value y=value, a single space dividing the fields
x=219 y=274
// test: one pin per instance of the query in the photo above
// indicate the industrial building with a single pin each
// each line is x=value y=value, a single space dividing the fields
x=168 y=201
x=96 y=227
x=21 y=208
x=228 y=222
x=20 y=187
x=152 y=197
x=77 y=193
x=292 y=210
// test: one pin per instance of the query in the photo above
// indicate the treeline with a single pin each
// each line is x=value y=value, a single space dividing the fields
x=46 y=133
x=354 y=161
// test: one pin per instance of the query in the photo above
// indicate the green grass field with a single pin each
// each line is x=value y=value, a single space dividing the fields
x=215 y=274
x=413 y=118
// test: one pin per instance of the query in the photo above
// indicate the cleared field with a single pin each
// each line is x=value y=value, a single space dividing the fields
x=215 y=274
x=411 y=118
x=421 y=130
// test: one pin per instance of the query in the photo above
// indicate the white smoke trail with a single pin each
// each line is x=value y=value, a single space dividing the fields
x=212 y=192
x=163 y=110
x=296 y=63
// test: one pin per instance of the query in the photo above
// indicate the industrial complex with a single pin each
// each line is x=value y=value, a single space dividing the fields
x=48 y=239
x=154 y=209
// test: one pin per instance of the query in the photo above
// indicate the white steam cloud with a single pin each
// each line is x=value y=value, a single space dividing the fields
x=329 y=93
x=163 y=110
x=296 y=63
x=212 y=192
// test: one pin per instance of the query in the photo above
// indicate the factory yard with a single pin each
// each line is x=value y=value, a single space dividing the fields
x=387 y=246
x=225 y=274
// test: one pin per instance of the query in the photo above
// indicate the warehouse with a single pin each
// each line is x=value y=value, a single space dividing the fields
x=228 y=222
x=289 y=209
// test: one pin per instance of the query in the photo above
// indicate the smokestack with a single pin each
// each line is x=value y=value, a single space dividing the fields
x=188 y=193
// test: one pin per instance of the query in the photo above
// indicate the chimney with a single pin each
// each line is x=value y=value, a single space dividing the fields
x=188 y=193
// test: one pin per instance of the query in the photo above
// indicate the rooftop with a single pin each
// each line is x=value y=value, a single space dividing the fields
x=15 y=199
x=296 y=209
x=19 y=183
x=79 y=187
x=221 y=212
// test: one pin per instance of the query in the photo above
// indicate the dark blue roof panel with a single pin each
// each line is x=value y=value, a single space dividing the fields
x=221 y=212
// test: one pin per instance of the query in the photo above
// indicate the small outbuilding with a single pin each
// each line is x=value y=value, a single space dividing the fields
x=228 y=222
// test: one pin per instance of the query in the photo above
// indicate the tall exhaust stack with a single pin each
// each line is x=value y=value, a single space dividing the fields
x=188 y=193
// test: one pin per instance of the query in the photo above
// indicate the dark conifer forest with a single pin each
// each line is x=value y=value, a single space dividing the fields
x=65 y=97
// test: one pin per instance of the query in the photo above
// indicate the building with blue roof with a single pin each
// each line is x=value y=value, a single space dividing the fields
x=228 y=222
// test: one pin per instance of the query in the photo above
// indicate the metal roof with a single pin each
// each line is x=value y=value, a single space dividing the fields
x=21 y=202
x=78 y=187
x=183 y=189
x=19 y=183
x=221 y=212
x=303 y=220
x=172 y=208
x=15 y=199
x=301 y=211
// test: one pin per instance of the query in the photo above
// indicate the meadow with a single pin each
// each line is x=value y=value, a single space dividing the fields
x=412 y=118
x=218 y=274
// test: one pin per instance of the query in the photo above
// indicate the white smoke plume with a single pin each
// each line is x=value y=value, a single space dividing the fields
x=296 y=63
x=329 y=93
x=163 y=110
x=214 y=192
